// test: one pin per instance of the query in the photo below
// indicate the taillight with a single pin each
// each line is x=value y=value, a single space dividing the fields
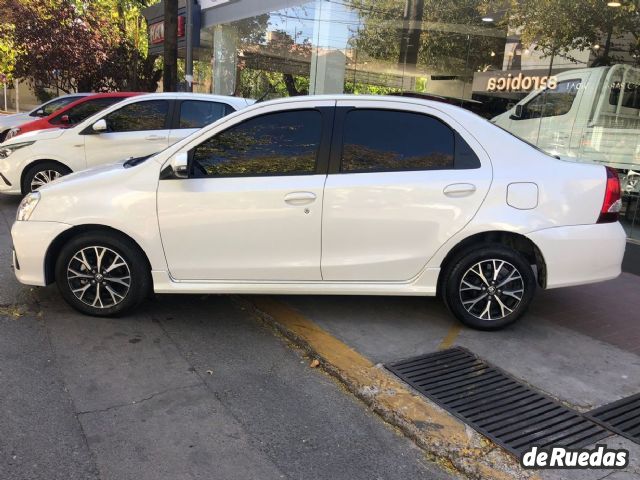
x=612 y=201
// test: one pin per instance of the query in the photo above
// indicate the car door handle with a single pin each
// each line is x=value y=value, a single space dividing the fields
x=153 y=138
x=459 y=189
x=300 y=198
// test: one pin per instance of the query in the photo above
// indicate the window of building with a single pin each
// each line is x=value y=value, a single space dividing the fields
x=282 y=143
x=386 y=140
x=139 y=116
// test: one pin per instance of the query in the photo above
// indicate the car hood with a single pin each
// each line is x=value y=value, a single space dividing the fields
x=36 y=135
x=10 y=121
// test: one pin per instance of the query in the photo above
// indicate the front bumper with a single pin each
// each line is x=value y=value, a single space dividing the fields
x=581 y=254
x=31 y=240
x=9 y=180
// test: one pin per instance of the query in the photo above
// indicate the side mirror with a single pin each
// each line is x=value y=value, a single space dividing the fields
x=100 y=126
x=519 y=112
x=40 y=113
x=65 y=119
x=180 y=165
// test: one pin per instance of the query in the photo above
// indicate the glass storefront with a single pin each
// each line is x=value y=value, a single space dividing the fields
x=562 y=75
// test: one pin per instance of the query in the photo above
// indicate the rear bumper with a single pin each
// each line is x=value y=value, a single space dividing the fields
x=581 y=254
x=31 y=240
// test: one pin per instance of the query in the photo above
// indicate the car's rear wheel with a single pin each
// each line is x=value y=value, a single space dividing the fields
x=102 y=274
x=489 y=287
x=41 y=174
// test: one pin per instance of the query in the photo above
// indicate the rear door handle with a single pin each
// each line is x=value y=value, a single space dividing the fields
x=300 y=198
x=155 y=137
x=459 y=190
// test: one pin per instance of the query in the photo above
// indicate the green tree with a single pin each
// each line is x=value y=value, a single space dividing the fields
x=558 y=27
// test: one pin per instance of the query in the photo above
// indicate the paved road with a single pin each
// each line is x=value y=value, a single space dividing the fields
x=188 y=388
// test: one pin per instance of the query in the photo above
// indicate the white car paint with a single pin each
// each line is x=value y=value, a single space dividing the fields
x=373 y=233
x=80 y=147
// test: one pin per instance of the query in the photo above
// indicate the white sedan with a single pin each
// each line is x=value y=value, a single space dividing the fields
x=329 y=195
x=135 y=127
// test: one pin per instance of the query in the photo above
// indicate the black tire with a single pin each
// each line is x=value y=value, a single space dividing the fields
x=116 y=298
x=42 y=168
x=495 y=309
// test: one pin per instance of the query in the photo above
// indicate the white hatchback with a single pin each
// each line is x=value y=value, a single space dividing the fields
x=329 y=195
x=135 y=127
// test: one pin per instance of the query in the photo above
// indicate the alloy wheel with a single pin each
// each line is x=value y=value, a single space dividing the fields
x=491 y=289
x=43 y=177
x=99 y=277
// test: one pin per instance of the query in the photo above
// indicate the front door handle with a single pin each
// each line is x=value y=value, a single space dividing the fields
x=459 y=190
x=300 y=198
x=153 y=138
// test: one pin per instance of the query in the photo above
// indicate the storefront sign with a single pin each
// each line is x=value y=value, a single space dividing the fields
x=520 y=83
x=156 y=31
x=514 y=81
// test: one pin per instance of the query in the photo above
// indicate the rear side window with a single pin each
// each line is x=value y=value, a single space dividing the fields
x=84 y=110
x=280 y=143
x=139 y=116
x=388 y=140
x=198 y=113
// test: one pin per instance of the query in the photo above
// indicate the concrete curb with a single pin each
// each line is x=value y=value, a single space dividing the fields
x=444 y=438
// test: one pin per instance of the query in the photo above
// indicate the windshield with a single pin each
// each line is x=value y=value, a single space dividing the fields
x=53 y=106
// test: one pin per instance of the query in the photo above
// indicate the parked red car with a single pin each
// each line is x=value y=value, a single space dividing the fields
x=73 y=113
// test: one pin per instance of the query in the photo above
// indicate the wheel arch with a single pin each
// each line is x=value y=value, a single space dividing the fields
x=56 y=246
x=34 y=163
x=516 y=241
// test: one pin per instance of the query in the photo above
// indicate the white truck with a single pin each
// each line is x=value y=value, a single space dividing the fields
x=592 y=115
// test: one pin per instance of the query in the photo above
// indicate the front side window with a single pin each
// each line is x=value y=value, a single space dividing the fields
x=198 y=113
x=553 y=102
x=84 y=110
x=54 y=106
x=139 y=116
x=387 y=140
x=281 y=143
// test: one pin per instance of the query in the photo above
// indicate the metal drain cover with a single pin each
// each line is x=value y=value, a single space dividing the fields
x=494 y=403
x=622 y=417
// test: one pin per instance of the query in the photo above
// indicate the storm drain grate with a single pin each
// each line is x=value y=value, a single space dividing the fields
x=494 y=403
x=622 y=417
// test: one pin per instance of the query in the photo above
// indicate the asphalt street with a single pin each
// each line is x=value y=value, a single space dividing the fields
x=187 y=388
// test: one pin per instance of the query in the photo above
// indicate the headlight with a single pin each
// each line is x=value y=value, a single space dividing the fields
x=27 y=206
x=12 y=133
x=6 y=150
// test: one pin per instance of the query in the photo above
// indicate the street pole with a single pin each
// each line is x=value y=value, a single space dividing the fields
x=4 y=87
x=188 y=68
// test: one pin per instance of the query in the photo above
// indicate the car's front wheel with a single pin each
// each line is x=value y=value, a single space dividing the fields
x=102 y=274
x=41 y=174
x=489 y=287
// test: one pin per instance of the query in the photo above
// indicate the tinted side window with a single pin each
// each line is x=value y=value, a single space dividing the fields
x=84 y=110
x=139 y=116
x=282 y=143
x=387 y=140
x=197 y=114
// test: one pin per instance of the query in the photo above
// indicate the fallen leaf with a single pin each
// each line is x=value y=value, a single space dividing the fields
x=314 y=363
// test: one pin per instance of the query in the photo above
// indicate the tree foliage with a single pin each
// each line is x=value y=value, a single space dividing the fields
x=72 y=45
x=558 y=27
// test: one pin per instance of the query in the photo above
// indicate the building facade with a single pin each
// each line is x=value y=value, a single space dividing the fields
x=563 y=76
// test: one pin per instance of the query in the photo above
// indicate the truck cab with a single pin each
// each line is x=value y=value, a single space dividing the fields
x=591 y=115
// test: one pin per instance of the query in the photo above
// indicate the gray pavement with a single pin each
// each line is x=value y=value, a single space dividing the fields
x=190 y=387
